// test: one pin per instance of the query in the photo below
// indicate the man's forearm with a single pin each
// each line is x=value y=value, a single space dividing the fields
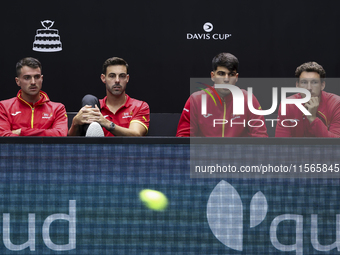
x=135 y=129
x=75 y=130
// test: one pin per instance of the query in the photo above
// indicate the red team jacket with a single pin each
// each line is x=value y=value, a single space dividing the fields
x=132 y=111
x=193 y=123
x=44 y=118
x=327 y=123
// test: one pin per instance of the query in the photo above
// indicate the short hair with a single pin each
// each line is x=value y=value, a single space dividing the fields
x=310 y=67
x=226 y=60
x=113 y=62
x=30 y=62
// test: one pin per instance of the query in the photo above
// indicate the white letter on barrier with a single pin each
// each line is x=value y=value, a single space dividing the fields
x=298 y=246
x=7 y=234
x=71 y=218
x=314 y=235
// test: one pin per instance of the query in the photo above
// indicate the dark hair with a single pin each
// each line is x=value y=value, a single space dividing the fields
x=226 y=60
x=310 y=67
x=30 y=62
x=113 y=62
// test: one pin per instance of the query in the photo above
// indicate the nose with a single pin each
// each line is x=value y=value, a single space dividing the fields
x=309 y=86
x=32 y=80
x=117 y=79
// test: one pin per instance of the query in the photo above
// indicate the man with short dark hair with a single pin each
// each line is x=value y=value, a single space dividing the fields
x=116 y=114
x=324 y=107
x=193 y=123
x=31 y=113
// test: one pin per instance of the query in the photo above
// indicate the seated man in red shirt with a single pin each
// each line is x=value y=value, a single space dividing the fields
x=117 y=114
x=324 y=107
x=220 y=120
x=31 y=113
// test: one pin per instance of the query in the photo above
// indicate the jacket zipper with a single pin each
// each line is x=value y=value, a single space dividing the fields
x=32 y=118
x=32 y=108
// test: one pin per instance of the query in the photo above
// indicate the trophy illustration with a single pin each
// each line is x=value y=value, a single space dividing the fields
x=47 y=24
x=47 y=39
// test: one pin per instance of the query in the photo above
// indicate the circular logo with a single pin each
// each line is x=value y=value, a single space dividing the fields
x=208 y=27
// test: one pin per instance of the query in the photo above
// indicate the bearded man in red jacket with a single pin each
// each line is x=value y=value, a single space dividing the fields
x=31 y=113
x=324 y=107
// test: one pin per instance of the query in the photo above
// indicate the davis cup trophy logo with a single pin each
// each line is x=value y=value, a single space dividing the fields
x=47 y=40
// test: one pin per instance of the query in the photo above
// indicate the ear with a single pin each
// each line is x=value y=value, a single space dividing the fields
x=17 y=81
x=42 y=78
x=236 y=76
x=127 y=78
x=323 y=85
x=212 y=75
x=102 y=77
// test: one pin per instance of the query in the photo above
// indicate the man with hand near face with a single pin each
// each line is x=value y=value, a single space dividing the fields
x=324 y=107
x=193 y=123
x=116 y=114
x=31 y=113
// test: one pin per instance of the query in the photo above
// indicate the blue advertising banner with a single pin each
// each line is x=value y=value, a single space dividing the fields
x=64 y=198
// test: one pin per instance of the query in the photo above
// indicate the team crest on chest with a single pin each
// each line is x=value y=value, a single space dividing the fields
x=235 y=116
x=46 y=115
x=127 y=115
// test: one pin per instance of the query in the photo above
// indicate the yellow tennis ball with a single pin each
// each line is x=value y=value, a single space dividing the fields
x=153 y=199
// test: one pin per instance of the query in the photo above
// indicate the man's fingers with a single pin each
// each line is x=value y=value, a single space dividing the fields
x=314 y=100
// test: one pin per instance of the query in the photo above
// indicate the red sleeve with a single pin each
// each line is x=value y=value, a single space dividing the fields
x=183 y=128
x=143 y=115
x=280 y=130
x=257 y=128
x=319 y=129
x=59 y=127
x=5 y=125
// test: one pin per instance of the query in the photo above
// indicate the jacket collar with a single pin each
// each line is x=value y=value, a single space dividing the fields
x=127 y=102
x=43 y=98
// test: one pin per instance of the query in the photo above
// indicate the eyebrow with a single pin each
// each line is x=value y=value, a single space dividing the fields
x=310 y=79
x=232 y=72
x=27 y=75
x=116 y=74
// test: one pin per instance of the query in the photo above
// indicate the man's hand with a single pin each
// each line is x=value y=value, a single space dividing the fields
x=86 y=115
x=17 y=131
x=100 y=118
x=312 y=106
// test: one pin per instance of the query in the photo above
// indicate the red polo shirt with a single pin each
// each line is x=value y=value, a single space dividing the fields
x=132 y=111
